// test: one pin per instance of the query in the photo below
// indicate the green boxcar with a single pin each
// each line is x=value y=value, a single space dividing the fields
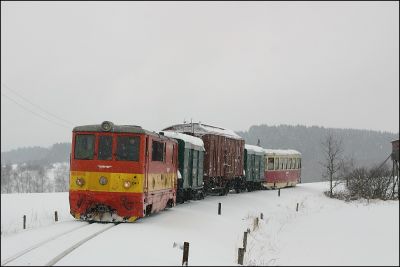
x=253 y=166
x=190 y=166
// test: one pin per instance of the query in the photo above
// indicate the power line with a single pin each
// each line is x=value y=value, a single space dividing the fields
x=33 y=112
x=54 y=116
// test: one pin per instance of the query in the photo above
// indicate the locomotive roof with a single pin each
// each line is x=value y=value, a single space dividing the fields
x=200 y=129
x=115 y=129
x=254 y=149
x=282 y=152
x=190 y=141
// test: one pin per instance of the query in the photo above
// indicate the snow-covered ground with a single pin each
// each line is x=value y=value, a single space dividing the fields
x=323 y=232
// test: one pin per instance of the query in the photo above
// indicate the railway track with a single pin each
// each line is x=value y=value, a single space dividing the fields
x=50 y=251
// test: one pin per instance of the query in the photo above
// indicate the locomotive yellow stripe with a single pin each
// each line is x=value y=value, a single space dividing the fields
x=115 y=181
x=161 y=181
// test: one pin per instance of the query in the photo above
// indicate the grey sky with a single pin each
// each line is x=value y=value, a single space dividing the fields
x=233 y=64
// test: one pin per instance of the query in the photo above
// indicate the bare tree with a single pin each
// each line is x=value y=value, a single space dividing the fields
x=333 y=160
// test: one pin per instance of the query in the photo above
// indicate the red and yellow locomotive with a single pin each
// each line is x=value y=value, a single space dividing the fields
x=121 y=172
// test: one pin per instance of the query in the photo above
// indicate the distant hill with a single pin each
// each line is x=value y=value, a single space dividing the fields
x=366 y=147
x=58 y=152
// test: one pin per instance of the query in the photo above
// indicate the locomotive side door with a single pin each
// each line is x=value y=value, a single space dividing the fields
x=146 y=168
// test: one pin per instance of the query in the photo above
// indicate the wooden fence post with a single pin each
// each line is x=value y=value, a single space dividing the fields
x=262 y=216
x=297 y=207
x=279 y=192
x=24 y=221
x=219 y=208
x=185 y=257
x=240 y=256
x=245 y=241
x=56 y=216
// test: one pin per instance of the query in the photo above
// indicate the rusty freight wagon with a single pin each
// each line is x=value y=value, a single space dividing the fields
x=121 y=172
x=223 y=158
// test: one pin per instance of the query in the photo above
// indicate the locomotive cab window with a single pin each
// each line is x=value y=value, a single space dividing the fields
x=270 y=163
x=84 y=146
x=158 y=151
x=105 y=147
x=128 y=148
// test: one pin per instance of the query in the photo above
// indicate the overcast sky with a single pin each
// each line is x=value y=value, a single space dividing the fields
x=232 y=64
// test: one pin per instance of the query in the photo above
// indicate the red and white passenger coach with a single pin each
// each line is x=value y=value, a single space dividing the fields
x=282 y=168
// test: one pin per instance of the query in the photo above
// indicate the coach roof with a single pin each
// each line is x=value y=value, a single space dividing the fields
x=200 y=129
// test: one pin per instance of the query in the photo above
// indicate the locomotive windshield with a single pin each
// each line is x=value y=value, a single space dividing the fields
x=105 y=147
x=128 y=148
x=84 y=146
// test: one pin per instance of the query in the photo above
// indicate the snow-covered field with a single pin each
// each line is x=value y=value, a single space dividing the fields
x=323 y=232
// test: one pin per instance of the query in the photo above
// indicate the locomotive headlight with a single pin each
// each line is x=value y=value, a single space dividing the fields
x=127 y=184
x=80 y=181
x=103 y=180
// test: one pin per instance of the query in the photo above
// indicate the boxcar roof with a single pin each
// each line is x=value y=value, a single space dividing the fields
x=116 y=129
x=201 y=129
x=190 y=141
x=254 y=149
x=282 y=152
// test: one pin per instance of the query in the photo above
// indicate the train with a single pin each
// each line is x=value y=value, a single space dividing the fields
x=120 y=173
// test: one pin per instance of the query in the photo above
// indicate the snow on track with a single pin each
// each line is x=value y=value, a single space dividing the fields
x=51 y=252
x=38 y=238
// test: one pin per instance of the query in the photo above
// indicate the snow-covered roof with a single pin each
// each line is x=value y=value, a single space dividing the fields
x=200 y=129
x=188 y=139
x=282 y=152
x=254 y=149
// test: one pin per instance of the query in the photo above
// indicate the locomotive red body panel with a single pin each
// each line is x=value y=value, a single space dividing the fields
x=121 y=173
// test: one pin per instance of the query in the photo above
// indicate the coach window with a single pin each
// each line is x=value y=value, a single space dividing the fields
x=276 y=163
x=158 y=151
x=128 y=148
x=105 y=147
x=270 y=163
x=84 y=146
